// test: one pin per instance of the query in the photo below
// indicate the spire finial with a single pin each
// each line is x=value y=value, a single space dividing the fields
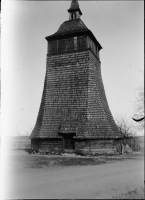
x=74 y=10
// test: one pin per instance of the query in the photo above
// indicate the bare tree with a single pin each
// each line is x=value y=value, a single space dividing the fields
x=20 y=138
x=139 y=108
x=124 y=127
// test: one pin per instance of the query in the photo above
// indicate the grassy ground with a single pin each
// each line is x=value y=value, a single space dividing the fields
x=133 y=194
x=40 y=161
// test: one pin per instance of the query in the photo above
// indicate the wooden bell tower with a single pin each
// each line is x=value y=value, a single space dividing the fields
x=74 y=111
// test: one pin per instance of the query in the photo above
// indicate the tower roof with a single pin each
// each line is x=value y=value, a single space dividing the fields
x=74 y=7
x=72 y=28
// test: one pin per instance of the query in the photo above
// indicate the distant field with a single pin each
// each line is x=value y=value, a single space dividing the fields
x=16 y=142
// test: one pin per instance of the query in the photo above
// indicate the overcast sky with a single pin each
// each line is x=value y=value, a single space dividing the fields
x=119 y=28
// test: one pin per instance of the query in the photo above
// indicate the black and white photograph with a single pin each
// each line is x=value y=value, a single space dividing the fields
x=72 y=99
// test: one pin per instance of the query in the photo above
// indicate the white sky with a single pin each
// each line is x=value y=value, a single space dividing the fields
x=118 y=26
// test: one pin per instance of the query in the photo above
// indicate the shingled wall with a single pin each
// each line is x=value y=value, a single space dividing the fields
x=74 y=101
x=64 y=105
x=100 y=120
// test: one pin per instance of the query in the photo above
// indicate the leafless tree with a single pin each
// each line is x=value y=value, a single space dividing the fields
x=27 y=133
x=139 y=107
x=124 y=126
x=20 y=138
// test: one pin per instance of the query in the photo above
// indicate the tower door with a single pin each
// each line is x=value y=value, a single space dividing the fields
x=68 y=142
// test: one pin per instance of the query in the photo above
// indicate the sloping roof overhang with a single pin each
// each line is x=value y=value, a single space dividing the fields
x=74 y=34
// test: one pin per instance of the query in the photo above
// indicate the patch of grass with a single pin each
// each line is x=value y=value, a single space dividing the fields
x=39 y=161
x=133 y=194
x=66 y=161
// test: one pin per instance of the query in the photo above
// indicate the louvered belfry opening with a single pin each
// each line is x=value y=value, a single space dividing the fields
x=67 y=45
x=72 y=44
x=74 y=113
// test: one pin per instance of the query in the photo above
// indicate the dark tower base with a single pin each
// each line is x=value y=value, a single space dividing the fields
x=72 y=145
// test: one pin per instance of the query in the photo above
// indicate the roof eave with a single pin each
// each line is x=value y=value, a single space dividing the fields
x=88 y=32
x=95 y=40
x=75 y=9
x=55 y=36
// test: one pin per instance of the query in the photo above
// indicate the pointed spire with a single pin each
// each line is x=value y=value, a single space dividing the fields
x=74 y=4
x=74 y=10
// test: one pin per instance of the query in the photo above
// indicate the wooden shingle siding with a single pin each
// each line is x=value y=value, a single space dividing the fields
x=74 y=99
x=37 y=129
x=99 y=114
x=67 y=90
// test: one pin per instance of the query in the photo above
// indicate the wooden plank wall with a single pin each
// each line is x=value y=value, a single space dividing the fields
x=51 y=145
x=97 y=146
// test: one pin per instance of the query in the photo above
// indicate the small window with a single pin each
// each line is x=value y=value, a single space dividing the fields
x=73 y=16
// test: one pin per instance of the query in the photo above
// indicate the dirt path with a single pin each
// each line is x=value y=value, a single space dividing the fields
x=77 y=182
